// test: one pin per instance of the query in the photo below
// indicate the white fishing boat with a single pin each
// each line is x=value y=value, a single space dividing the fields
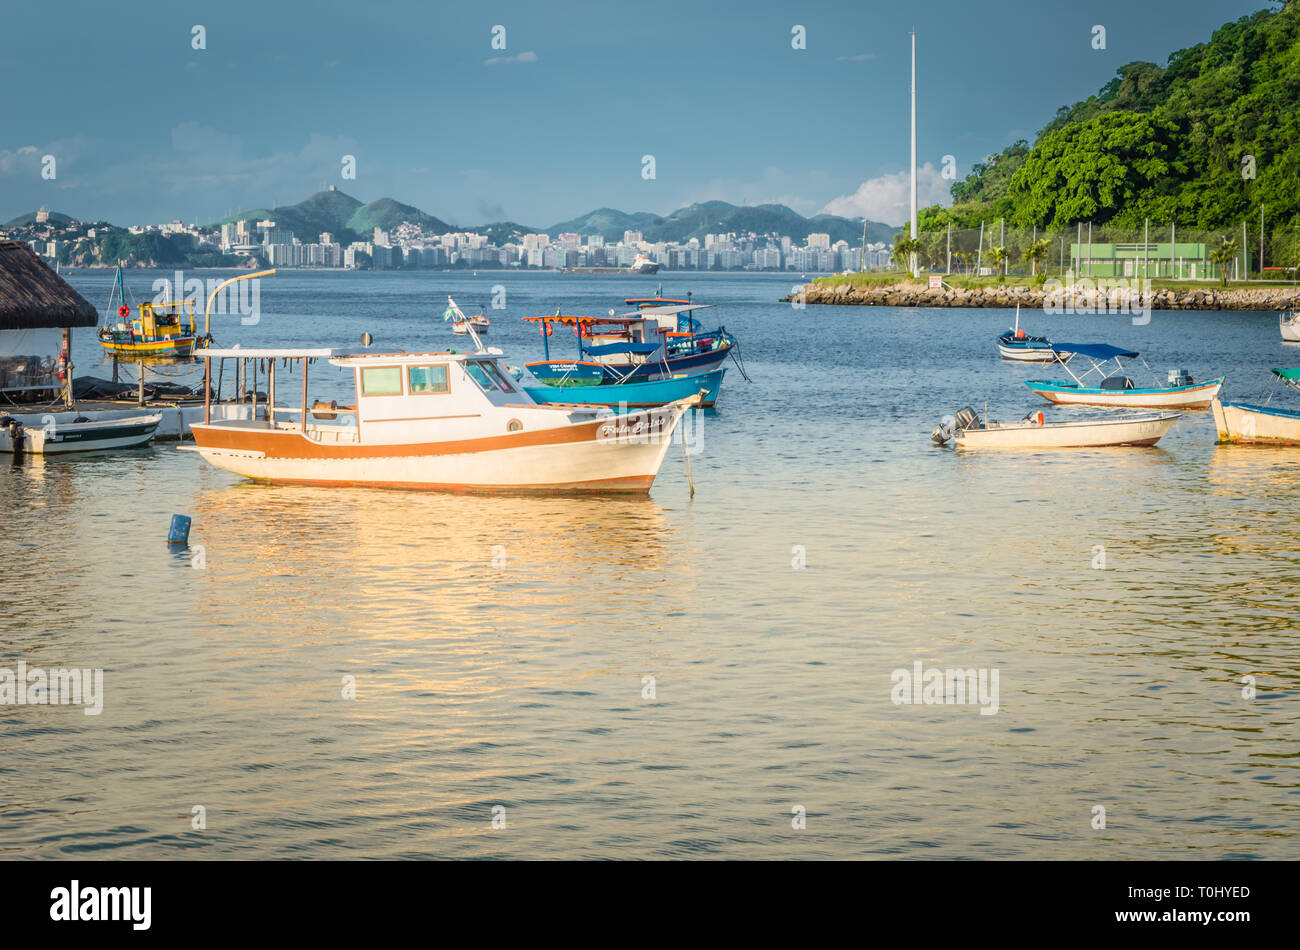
x=966 y=430
x=26 y=434
x=441 y=420
x=1289 y=324
x=1114 y=388
x=1248 y=424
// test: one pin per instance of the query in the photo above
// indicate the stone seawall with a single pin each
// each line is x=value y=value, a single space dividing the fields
x=1082 y=299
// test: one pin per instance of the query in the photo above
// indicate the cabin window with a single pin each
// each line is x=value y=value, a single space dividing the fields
x=489 y=378
x=427 y=379
x=381 y=381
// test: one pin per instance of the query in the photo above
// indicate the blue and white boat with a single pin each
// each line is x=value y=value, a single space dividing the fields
x=1114 y=388
x=636 y=393
x=652 y=341
x=1015 y=345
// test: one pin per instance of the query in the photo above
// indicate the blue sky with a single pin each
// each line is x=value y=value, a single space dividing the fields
x=145 y=128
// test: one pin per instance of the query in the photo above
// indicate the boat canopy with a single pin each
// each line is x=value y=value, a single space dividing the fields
x=568 y=321
x=641 y=349
x=254 y=353
x=664 y=311
x=1096 y=351
x=1287 y=373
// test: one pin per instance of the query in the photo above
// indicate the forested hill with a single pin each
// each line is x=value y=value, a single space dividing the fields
x=1202 y=142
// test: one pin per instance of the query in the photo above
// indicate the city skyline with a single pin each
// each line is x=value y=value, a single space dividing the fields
x=430 y=111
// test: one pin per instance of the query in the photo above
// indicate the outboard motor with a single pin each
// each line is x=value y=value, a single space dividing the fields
x=946 y=430
x=1180 y=377
x=17 y=436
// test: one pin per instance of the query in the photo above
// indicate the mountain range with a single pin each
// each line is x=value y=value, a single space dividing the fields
x=348 y=219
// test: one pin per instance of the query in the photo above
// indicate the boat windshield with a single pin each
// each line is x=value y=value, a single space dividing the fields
x=488 y=377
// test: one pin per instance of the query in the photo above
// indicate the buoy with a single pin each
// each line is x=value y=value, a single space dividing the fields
x=1040 y=418
x=179 y=533
x=1020 y=334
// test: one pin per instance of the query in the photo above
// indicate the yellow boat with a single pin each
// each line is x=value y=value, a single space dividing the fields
x=163 y=328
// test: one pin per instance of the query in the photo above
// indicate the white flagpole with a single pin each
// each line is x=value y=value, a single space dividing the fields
x=916 y=272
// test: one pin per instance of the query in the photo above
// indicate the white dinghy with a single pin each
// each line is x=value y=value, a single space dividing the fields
x=968 y=431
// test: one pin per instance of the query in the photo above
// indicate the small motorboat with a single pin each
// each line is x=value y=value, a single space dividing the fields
x=634 y=393
x=1246 y=424
x=966 y=430
x=1015 y=345
x=477 y=321
x=19 y=436
x=1114 y=388
x=1289 y=324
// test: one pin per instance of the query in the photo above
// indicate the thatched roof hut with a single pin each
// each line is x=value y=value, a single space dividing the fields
x=32 y=296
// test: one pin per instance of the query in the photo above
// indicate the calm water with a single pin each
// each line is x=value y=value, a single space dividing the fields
x=521 y=684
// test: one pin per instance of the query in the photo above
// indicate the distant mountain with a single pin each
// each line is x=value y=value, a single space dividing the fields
x=387 y=214
x=503 y=232
x=609 y=223
x=323 y=211
x=28 y=219
x=719 y=217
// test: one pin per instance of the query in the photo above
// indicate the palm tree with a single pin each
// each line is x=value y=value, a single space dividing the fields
x=1035 y=253
x=904 y=248
x=1223 y=257
x=997 y=257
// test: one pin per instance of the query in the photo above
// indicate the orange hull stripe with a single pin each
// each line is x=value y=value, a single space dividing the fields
x=286 y=444
x=628 y=483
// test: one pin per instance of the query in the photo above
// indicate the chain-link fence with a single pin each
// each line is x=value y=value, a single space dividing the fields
x=1157 y=251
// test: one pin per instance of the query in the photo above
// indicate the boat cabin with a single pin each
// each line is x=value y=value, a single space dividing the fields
x=396 y=397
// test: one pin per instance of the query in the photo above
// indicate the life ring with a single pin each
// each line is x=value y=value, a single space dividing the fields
x=124 y=311
x=548 y=329
x=577 y=329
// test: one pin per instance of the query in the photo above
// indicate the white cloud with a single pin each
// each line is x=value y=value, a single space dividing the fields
x=887 y=197
x=528 y=57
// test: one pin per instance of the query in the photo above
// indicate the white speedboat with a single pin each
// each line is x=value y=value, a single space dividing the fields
x=1289 y=324
x=20 y=435
x=968 y=431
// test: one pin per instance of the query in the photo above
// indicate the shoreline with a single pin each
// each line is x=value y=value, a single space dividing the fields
x=916 y=294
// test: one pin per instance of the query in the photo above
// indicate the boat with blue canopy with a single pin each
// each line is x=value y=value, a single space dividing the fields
x=638 y=393
x=1113 y=387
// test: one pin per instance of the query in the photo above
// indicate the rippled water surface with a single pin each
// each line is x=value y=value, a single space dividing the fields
x=521 y=683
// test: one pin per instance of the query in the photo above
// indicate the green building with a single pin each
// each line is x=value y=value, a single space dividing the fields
x=1178 y=261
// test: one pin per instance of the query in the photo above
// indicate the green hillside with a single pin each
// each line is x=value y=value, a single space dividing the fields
x=387 y=214
x=610 y=223
x=712 y=217
x=323 y=211
x=1173 y=144
x=28 y=219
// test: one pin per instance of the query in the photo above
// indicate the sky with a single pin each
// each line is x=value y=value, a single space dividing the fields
x=144 y=128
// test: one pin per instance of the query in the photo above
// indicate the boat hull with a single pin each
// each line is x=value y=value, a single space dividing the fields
x=655 y=392
x=695 y=363
x=66 y=438
x=620 y=453
x=178 y=347
x=1290 y=328
x=1137 y=431
x=1244 y=424
x=1028 y=353
x=1195 y=396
